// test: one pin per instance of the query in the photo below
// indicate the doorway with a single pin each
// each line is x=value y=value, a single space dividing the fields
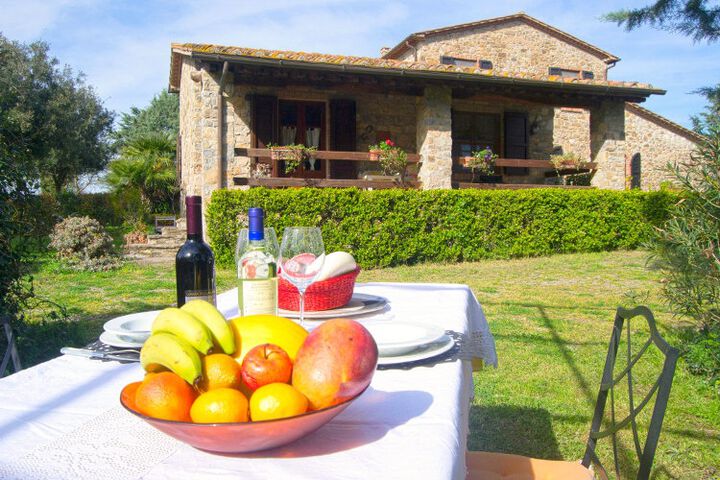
x=302 y=122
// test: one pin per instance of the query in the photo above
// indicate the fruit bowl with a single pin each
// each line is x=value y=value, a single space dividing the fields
x=240 y=437
x=325 y=295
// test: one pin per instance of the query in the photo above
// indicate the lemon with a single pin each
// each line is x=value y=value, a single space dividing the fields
x=255 y=330
x=277 y=400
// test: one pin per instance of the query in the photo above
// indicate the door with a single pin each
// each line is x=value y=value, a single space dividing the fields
x=343 y=136
x=303 y=123
x=516 y=140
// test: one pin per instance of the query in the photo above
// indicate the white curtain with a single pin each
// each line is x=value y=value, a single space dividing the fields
x=288 y=134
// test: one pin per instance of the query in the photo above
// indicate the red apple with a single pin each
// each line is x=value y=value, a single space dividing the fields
x=266 y=363
x=335 y=363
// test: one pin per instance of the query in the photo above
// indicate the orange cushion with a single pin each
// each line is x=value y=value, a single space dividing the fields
x=502 y=466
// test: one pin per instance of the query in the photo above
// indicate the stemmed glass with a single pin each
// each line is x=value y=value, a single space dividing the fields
x=302 y=255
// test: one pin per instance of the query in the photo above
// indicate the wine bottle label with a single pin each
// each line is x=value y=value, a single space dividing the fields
x=259 y=297
x=207 y=295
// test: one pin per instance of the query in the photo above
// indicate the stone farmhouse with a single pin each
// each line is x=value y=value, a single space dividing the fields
x=514 y=83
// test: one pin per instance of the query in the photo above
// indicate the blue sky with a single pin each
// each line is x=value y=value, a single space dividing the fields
x=123 y=47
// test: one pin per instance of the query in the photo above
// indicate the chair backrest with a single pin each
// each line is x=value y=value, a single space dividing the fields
x=660 y=389
x=11 y=352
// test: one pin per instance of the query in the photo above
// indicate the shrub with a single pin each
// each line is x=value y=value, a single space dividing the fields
x=84 y=244
x=687 y=247
x=392 y=227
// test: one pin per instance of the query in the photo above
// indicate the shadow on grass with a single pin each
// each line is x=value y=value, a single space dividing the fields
x=513 y=429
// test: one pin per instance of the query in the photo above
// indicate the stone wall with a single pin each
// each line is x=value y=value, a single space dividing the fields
x=191 y=178
x=514 y=46
x=571 y=132
x=434 y=137
x=390 y=113
x=607 y=142
x=657 y=145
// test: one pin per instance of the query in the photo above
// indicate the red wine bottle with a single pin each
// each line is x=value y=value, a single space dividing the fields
x=194 y=262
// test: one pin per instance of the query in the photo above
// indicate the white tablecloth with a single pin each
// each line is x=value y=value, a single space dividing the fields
x=62 y=419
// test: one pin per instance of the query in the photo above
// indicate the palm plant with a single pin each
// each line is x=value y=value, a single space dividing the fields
x=146 y=165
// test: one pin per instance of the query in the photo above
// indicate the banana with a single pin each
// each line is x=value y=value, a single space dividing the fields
x=166 y=350
x=185 y=326
x=215 y=322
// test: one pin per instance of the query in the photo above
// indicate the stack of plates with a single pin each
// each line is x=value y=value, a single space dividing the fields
x=402 y=342
x=128 y=331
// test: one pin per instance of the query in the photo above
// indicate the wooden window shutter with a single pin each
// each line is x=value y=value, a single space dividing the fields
x=343 y=136
x=343 y=127
x=265 y=123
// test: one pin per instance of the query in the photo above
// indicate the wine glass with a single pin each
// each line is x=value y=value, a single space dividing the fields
x=302 y=255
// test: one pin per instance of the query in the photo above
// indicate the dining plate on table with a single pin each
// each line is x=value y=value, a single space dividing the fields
x=135 y=325
x=398 y=337
x=120 y=341
x=359 y=304
x=425 y=352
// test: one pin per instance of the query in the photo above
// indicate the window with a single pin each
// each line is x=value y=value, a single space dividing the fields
x=466 y=62
x=567 y=73
x=473 y=131
x=635 y=171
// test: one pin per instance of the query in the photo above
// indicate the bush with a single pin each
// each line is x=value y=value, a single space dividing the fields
x=392 y=227
x=84 y=244
x=687 y=247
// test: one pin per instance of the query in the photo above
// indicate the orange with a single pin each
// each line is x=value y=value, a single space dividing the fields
x=219 y=371
x=166 y=396
x=277 y=400
x=221 y=405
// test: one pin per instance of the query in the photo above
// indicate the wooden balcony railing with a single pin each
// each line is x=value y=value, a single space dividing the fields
x=529 y=163
x=322 y=155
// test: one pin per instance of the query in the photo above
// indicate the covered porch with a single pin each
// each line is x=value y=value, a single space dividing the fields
x=242 y=102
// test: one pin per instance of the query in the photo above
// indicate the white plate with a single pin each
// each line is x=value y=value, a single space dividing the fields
x=423 y=353
x=397 y=338
x=135 y=325
x=120 y=341
x=360 y=304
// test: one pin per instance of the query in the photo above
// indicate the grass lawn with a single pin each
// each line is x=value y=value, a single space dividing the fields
x=551 y=318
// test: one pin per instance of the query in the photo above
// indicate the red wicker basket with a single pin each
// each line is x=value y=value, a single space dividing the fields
x=331 y=293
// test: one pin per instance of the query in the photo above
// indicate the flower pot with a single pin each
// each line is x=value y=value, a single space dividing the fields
x=374 y=155
x=285 y=154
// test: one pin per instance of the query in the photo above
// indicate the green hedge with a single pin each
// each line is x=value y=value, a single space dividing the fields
x=392 y=227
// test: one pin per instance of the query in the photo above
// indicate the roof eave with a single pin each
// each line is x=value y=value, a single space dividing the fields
x=619 y=91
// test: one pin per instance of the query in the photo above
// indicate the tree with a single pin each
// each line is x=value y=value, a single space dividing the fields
x=694 y=18
x=53 y=126
x=161 y=116
x=80 y=137
x=702 y=122
x=146 y=166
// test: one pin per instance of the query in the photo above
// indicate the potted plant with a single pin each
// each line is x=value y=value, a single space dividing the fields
x=482 y=163
x=392 y=159
x=291 y=154
x=569 y=160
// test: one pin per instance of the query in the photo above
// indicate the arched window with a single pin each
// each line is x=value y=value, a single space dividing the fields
x=635 y=171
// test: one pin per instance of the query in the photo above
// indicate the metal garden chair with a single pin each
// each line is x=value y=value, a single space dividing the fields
x=497 y=466
x=11 y=352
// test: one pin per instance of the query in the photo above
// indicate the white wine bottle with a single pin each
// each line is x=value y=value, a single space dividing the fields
x=257 y=270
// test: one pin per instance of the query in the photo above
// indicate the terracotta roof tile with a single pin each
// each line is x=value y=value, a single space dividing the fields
x=369 y=62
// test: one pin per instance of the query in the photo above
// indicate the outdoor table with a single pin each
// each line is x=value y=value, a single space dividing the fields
x=62 y=419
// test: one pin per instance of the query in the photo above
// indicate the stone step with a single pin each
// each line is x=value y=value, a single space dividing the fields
x=174 y=231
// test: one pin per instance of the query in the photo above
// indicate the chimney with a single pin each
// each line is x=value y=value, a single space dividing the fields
x=384 y=50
